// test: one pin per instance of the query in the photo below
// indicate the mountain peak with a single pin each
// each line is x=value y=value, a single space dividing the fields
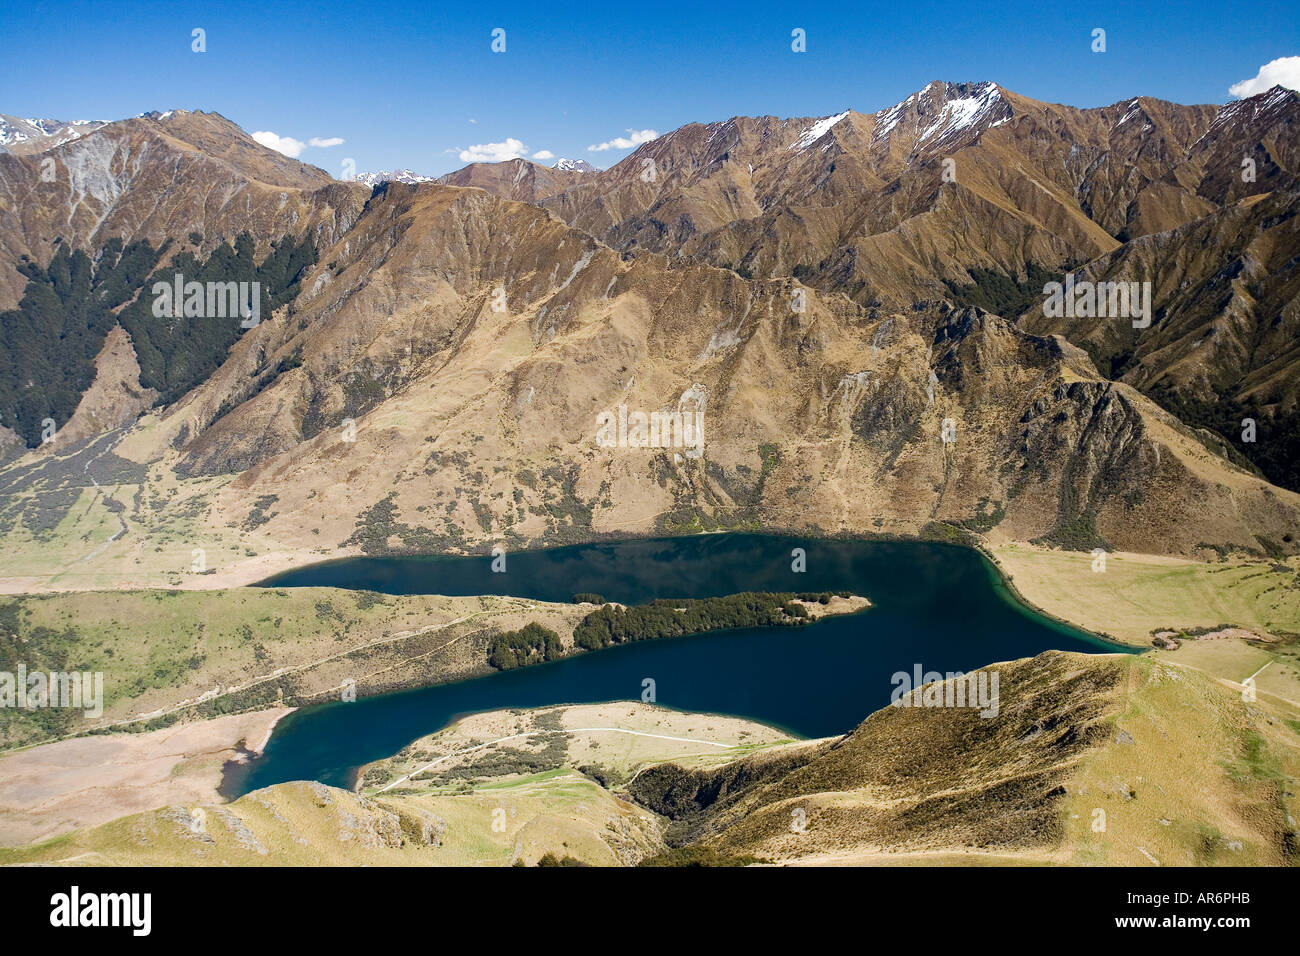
x=816 y=131
x=575 y=166
x=942 y=111
x=1264 y=106
x=159 y=115
x=28 y=135
x=392 y=176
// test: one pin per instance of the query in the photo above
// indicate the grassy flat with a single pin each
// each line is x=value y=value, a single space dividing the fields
x=1138 y=594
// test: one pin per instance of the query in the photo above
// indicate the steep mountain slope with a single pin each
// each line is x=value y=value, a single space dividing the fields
x=395 y=408
x=1076 y=768
x=1222 y=345
x=886 y=206
x=85 y=223
x=961 y=185
x=156 y=177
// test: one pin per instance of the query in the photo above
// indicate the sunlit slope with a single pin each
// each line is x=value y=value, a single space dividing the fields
x=1180 y=768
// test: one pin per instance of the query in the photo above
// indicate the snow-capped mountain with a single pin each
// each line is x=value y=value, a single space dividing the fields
x=18 y=134
x=816 y=131
x=941 y=114
x=575 y=166
x=392 y=176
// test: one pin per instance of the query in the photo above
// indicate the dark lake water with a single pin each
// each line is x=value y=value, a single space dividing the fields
x=941 y=606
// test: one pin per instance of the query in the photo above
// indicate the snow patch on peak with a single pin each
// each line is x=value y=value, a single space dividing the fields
x=395 y=176
x=719 y=126
x=575 y=166
x=1133 y=110
x=963 y=113
x=45 y=133
x=954 y=115
x=886 y=120
x=1249 y=109
x=816 y=131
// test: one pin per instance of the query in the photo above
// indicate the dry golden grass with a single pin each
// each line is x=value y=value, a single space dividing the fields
x=1138 y=594
x=488 y=816
x=1094 y=760
x=307 y=824
x=1191 y=776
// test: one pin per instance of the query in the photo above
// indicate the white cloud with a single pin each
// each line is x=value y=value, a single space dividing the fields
x=281 y=144
x=624 y=142
x=543 y=154
x=493 y=152
x=293 y=147
x=1284 y=71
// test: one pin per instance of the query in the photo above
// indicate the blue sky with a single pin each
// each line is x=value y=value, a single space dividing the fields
x=416 y=84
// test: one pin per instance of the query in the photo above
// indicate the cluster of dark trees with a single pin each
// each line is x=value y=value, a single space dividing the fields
x=531 y=644
x=1000 y=293
x=611 y=624
x=550 y=859
x=49 y=342
x=1276 y=448
x=178 y=353
x=674 y=618
x=822 y=597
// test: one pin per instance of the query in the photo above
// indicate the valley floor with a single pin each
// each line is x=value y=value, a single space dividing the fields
x=52 y=789
x=1099 y=760
x=1231 y=620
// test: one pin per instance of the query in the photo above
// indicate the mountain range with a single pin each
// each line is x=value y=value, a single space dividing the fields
x=855 y=303
x=19 y=135
x=465 y=177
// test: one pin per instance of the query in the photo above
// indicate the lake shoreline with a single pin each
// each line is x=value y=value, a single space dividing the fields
x=263 y=570
x=934 y=603
x=237 y=769
x=1008 y=582
x=978 y=546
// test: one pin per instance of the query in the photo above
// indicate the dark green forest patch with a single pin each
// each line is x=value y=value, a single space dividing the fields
x=49 y=342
